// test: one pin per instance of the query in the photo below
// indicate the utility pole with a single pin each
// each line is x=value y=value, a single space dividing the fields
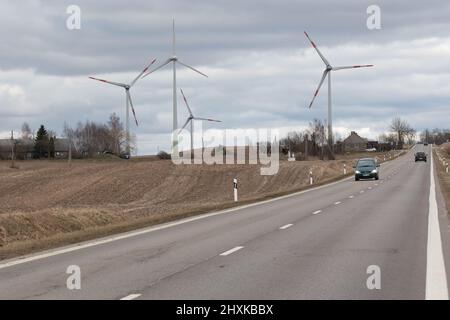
x=12 y=149
x=306 y=146
x=70 y=152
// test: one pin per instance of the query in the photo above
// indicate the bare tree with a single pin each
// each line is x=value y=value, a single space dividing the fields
x=26 y=132
x=402 y=129
x=116 y=133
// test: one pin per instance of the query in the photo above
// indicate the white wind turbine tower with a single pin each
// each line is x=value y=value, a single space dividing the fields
x=129 y=102
x=191 y=119
x=174 y=60
x=327 y=72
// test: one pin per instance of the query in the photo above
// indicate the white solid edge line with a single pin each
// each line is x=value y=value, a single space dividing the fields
x=122 y=236
x=131 y=296
x=286 y=226
x=436 y=277
x=226 y=253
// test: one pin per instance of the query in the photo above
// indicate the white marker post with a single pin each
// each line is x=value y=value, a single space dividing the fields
x=235 y=187
x=446 y=168
x=310 y=177
x=345 y=169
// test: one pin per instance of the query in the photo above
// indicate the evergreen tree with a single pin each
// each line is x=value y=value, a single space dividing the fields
x=41 y=142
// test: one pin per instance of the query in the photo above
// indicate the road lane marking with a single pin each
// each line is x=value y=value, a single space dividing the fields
x=317 y=212
x=370 y=188
x=226 y=253
x=337 y=202
x=351 y=197
x=286 y=226
x=436 y=278
x=362 y=191
x=132 y=296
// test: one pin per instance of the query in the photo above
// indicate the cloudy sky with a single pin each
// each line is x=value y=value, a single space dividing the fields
x=262 y=71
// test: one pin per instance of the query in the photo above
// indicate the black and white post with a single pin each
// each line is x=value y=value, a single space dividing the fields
x=311 y=181
x=235 y=189
x=345 y=169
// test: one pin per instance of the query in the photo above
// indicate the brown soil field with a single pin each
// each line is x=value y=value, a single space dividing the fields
x=44 y=204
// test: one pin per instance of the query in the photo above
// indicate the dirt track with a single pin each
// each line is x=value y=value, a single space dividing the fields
x=50 y=200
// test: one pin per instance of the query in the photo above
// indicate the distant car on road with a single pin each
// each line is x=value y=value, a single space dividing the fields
x=425 y=144
x=367 y=168
x=420 y=156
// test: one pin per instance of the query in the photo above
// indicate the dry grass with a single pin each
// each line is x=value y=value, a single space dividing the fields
x=443 y=152
x=47 y=203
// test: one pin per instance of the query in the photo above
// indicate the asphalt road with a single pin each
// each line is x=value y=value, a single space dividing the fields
x=314 y=245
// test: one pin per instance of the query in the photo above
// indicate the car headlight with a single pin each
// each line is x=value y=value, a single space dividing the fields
x=374 y=171
x=357 y=172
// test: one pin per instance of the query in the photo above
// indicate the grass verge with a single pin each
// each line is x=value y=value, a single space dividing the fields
x=444 y=177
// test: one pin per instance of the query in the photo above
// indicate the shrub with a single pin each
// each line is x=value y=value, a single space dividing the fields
x=164 y=155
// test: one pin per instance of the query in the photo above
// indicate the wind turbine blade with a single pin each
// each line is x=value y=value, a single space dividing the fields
x=206 y=119
x=157 y=68
x=132 y=107
x=187 y=104
x=318 y=88
x=185 y=124
x=110 y=82
x=143 y=71
x=192 y=68
x=353 y=67
x=317 y=49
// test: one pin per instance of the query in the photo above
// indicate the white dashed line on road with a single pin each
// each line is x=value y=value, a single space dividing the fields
x=226 y=253
x=362 y=191
x=317 y=212
x=286 y=226
x=132 y=296
x=351 y=197
x=337 y=202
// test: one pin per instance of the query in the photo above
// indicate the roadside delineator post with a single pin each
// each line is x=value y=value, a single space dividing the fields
x=235 y=188
x=384 y=158
x=446 y=167
x=310 y=177
x=345 y=169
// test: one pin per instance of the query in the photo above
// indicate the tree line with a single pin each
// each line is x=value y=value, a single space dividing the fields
x=312 y=141
x=87 y=139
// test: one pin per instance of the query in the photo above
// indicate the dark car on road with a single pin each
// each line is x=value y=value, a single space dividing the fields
x=420 y=156
x=367 y=168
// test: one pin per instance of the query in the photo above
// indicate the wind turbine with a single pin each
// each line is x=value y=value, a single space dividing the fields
x=191 y=119
x=174 y=60
x=129 y=102
x=327 y=72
